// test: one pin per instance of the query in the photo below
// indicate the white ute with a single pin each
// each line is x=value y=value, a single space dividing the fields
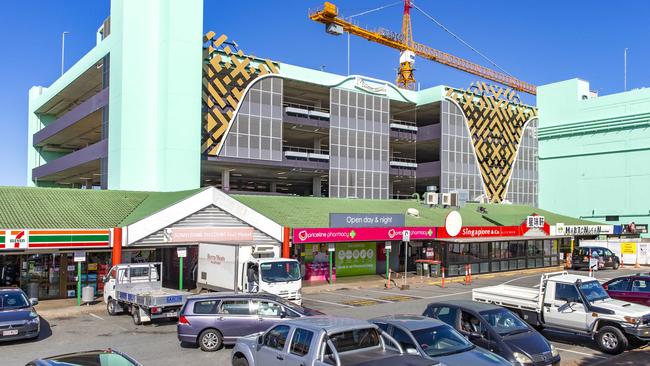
x=137 y=289
x=576 y=304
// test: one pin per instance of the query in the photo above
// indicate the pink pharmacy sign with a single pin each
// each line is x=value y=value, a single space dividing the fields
x=333 y=235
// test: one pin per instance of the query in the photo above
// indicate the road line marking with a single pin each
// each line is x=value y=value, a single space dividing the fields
x=328 y=302
x=396 y=293
x=580 y=353
x=96 y=316
x=360 y=297
x=455 y=293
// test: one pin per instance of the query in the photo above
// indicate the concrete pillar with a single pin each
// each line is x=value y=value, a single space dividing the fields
x=225 y=180
x=317 y=142
x=273 y=187
x=316 y=186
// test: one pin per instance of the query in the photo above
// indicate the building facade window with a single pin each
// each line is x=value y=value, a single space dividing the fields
x=257 y=129
x=524 y=181
x=459 y=169
x=359 y=130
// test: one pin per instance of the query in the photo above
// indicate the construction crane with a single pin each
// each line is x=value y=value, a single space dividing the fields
x=329 y=15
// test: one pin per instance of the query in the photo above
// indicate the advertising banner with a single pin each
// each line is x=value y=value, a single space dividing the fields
x=482 y=231
x=53 y=239
x=366 y=220
x=354 y=259
x=207 y=234
x=337 y=235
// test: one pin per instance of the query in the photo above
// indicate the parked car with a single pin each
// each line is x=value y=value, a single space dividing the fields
x=320 y=341
x=606 y=259
x=633 y=288
x=213 y=320
x=108 y=357
x=18 y=318
x=436 y=340
x=498 y=330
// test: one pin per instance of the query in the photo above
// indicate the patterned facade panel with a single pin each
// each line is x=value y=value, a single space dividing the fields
x=495 y=118
x=227 y=71
x=524 y=183
x=359 y=131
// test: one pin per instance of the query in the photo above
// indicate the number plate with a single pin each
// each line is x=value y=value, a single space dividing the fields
x=172 y=314
x=11 y=332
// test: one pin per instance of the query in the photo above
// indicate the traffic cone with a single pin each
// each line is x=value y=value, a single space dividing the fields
x=567 y=262
x=443 y=277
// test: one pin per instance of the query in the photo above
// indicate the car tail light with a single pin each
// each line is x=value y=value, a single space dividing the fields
x=155 y=310
x=183 y=320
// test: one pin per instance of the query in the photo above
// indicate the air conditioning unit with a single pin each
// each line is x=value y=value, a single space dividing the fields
x=453 y=199
x=431 y=198
x=446 y=199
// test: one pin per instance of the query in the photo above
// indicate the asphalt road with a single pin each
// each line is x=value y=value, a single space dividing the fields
x=157 y=344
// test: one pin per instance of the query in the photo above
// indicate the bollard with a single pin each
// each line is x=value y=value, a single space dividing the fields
x=470 y=273
x=591 y=271
x=466 y=275
x=443 y=277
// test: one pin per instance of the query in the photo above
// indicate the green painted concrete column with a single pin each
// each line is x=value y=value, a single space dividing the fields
x=155 y=95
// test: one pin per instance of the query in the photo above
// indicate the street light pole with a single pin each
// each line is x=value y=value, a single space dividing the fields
x=625 y=69
x=63 y=50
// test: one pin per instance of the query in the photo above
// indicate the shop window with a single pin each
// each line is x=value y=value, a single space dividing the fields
x=504 y=265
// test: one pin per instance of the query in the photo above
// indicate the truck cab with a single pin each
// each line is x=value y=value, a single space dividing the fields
x=278 y=276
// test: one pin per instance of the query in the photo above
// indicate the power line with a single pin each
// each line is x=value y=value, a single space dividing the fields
x=460 y=39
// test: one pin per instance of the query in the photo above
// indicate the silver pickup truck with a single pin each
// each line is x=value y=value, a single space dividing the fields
x=321 y=341
x=576 y=304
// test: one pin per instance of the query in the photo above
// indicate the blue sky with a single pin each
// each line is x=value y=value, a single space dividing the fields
x=537 y=41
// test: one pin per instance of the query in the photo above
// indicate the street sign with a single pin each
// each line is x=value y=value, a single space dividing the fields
x=387 y=245
x=181 y=252
x=79 y=256
x=406 y=235
x=330 y=247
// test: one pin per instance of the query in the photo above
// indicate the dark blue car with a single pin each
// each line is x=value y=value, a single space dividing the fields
x=18 y=319
x=498 y=330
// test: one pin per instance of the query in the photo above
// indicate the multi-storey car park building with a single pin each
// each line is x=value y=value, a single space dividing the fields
x=130 y=116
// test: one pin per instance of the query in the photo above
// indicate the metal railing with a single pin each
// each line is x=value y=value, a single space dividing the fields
x=307 y=150
x=402 y=122
x=305 y=106
x=403 y=160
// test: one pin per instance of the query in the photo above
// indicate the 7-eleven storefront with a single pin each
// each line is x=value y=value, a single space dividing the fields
x=41 y=262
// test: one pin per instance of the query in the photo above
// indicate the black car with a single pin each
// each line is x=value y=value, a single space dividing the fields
x=606 y=259
x=106 y=357
x=496 y=329
x=18 y=319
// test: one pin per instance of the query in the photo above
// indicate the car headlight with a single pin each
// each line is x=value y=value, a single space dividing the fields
x=631 y=320
x=33 y=317
x=522 y=358
x=554 y=351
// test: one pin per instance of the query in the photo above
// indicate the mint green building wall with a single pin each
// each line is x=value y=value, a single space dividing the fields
x=594 y=152
x=155 y=95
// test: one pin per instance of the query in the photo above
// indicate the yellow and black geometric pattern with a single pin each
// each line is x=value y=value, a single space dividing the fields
x=227 y=71
x=496 y=118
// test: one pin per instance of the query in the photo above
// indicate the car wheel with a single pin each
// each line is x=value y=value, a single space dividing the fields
x=616 y=265
x=240 y=361
x=210 y=340
x=111 y=307
x=611 y=340
x=136 y=316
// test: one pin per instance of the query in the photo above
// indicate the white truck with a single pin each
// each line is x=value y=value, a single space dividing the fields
x=247 y=267
x=576 y=304
x=137 y=289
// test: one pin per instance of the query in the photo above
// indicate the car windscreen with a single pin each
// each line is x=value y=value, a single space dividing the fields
x=504 y=322
x=441 y=340
x=593 y=291
x=92 y=359
x=355 y=339
x=280 y=271
x=13 y=300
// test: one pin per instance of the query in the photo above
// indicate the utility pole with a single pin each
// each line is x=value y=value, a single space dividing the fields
x=625 y=69
x=63 y=50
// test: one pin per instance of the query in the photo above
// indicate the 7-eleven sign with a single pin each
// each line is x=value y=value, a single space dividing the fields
x=17 y=239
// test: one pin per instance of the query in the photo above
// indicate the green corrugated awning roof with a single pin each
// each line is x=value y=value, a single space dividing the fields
x=314 y=212
x=60 y=208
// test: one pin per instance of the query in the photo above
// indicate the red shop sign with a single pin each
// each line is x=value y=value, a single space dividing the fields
x=333 y=235
x=482 y=231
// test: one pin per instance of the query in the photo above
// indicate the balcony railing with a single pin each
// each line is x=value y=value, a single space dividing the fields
x=305 y=153
x=400 y=162
x=309 y=111
x=398 y=124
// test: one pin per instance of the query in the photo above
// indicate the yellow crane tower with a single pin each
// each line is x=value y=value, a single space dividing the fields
x=334 y=24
